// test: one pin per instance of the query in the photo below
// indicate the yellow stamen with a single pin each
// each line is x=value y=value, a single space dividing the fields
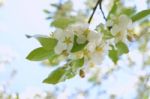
x=86 y=32
x=67 y=40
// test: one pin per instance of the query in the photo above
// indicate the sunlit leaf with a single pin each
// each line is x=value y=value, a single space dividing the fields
x=62 y=22
x=122 y=48
x=66 y=72
x=113 y=9
x=140 y=15
x=113 y=54
x=54 y=61
x=39 y=54
x=129 y=11
x=55 y=76
x=78 y=63
x=107 y=34
x=47 y=42
x=59 y=75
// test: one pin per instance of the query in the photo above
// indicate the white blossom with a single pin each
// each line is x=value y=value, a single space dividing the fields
x=65 y=40
x=94 y=39
x=81 y=30
x=120 y=26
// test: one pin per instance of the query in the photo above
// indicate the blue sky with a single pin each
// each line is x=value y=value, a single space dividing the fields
x=17 y=18
x=20 y=17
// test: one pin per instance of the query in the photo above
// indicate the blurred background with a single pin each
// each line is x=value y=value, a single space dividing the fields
x=22 y=79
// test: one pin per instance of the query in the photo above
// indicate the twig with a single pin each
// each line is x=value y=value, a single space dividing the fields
x=94 y=9
x=100 y=6
x=99 y=2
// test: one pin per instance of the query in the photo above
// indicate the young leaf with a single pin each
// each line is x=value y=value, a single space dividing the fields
x=113 y=9
x=140 y=15
x=62 y=22
x=39 y=54
x=55 y=76
x=77 y=47
x=107 y=34
x=47 y=42
x=53 y=61
x=60 y=74
x=122 y=48
x=63 y=73
x=129 y=11
x=78 y=63
x=113 y=54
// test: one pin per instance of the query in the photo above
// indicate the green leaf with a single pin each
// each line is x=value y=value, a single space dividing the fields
x=140 y=15
x=113 y=54
x=66 y=72
x=129 y=11
x=55 y=76
x=62 y=22
x=47 y=42
x=113 y=9
x=61 y=74
x=54 y=60
x=39 y=54
x=107 y=34
x=78 y=63
x=77 y=47
x=122 y=48
x=69 y=74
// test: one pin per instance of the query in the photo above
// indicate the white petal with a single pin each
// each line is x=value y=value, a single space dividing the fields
x=69 y=47
x=91 y=47
x=81 y=40
x=79 y=28
x=58 y=34
x=125 y=21
x=115 y=29
x=97 y=58
x=59 y=48
x=93 y=36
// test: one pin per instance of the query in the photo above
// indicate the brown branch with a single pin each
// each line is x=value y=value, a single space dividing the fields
x=94 y=9
x=100 y=6
x=99 y=2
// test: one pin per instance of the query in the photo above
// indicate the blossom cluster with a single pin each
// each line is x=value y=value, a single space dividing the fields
x=95 y=45
x=93 y=50
x=120 y=26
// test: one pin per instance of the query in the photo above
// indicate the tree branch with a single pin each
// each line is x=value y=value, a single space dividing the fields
x=100 y=6
x=99 y=2
x=94 y=9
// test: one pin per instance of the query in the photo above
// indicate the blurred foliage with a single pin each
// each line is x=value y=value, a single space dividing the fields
x=65 y=15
